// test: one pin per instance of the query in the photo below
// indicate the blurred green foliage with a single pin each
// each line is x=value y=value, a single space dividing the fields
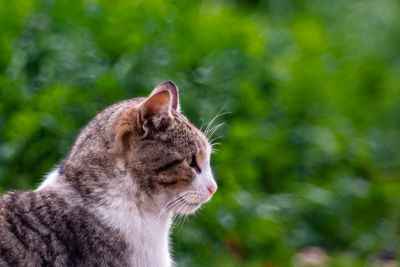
x=310 y=152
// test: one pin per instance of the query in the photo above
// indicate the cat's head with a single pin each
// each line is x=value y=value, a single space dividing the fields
x=165 y=154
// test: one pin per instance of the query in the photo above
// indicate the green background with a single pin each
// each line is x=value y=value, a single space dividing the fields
x=310 y=147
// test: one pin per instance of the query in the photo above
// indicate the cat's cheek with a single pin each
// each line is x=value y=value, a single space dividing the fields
x=205 y=184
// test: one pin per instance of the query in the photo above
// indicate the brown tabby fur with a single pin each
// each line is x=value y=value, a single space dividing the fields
x=136 y=152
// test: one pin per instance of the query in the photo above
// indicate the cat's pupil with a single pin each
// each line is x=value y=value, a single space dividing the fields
x=194 y=165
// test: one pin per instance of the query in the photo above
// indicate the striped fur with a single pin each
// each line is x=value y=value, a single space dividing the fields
x=41 y=229
x=110 y=202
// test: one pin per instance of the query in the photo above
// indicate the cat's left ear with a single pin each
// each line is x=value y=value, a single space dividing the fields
x=173 y=89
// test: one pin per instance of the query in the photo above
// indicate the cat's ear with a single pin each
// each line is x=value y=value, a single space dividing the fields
x=155 y=112
x=173 y=89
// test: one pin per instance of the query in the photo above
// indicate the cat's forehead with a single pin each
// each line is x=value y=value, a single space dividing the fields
x=189 y=133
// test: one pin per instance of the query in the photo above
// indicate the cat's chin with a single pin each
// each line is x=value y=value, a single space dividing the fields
x=188 y=207
x=188 y=210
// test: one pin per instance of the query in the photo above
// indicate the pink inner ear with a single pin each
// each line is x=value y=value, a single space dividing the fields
x=156 y=104
x=171 y=87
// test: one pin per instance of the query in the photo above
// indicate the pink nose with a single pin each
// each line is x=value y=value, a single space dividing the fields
x=212 y=188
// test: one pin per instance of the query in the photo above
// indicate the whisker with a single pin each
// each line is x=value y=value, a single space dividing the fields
x=214 y=150
x=170 y=204
x=215 y=128
x=181 y=216
x=209 y=128
x=173 y=203
x=212 y=142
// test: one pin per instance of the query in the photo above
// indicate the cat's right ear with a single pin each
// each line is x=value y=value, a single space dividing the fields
x=173 y=89
x=154 y=114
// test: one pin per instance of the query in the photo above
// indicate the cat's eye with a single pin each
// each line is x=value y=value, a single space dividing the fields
x=194 y=165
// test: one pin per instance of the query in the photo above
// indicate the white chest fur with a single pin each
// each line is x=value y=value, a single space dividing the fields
x=146 y=234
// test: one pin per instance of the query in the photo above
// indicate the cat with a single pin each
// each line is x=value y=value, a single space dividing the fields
x=111 y=201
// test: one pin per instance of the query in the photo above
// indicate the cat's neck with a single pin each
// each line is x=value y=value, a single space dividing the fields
x=146 y=233
x=145 y=230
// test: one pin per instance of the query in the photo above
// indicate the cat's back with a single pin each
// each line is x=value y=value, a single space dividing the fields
x=41 y=229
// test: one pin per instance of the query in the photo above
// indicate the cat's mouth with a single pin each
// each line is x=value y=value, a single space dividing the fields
x=188 y=203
